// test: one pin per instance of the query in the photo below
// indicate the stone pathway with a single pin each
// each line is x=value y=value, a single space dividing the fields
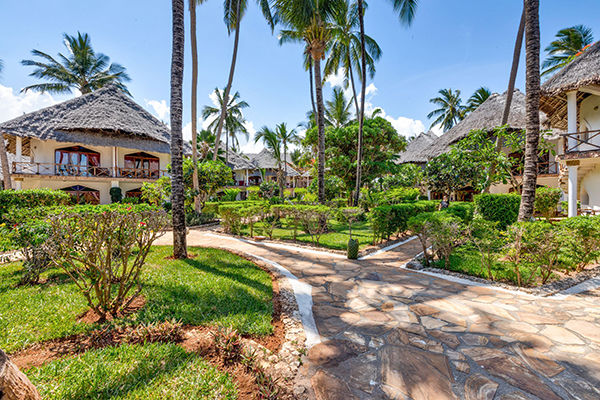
x=389 y=333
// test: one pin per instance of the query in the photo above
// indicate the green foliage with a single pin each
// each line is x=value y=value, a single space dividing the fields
x=253 y=192
x=334 y=187
x=212 y=176
x=582 y=239
x=157 y=192
x=452 y=171
x=10 y=199
x=446 y=232
x=230 y=194
x=352 y=249
x=488 y=240
x=420 y=225
x=463 y=211
x=299 y=193
x=116 y=194
x=192 y=218
x=231 y=217
x=392 y=219
x=268 y=189
x=405 y=175
x=502 y=208
x=546 y=201
x=396 y=195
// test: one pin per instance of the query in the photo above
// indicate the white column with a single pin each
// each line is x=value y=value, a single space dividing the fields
x=19 y=149
x=246 y=181
x=572 y=186
x=114 y=167
x=572 y=118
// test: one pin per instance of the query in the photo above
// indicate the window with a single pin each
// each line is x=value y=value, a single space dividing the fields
x=83 y=195
x=141 y=165
x=77 y=161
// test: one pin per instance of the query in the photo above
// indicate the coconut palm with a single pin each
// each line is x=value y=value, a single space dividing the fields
x=234 y=12
x=406 y=10
x=337 y=110
x=272 y=142
x=569 y=43
x=234 y=122
x=177 y=188
x=206 y=145
x=477 y=98
x=309 y=21
x=450 y=111
x=81 y=69
x=532 y=107
x=286 y=137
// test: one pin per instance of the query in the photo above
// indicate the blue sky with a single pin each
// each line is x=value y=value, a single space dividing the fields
x=452 y=44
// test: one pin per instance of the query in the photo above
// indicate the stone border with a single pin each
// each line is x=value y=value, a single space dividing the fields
x=10 y=256
x=549 y=289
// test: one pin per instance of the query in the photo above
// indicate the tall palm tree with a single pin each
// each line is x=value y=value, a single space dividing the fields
x=568 y=44
x=406 y=10
x=286 y=137
x=272 y=142
x=309 y=21
x=81 y=68
x=234 y=12
x=177 y=188
x=4 y=156
x=234 y=122
x=450 y=111
x=345 y=51
x=532 y=107
x=477 y=98
x=337 y=110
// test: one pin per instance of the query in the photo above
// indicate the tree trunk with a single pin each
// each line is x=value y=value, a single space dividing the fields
x=312 y=91
x=511 y=88
x=195 y=183
x=353 y=88
x=4 y=164
x=226 y=148
x=177 y=186
x=14 y=385
x=361 y=117
x=285 y=169
x=321 y=125
x=229 y=82
x=532 y=46
x=280 y=181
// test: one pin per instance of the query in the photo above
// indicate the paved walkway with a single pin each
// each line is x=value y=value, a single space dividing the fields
x=389 y=333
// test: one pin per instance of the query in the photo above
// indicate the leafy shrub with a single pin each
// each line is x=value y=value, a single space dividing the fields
x=334 y=187
x=10 y=199
x=582 y=239
x=103 y=251
x=447 y=232
x=228 y=344
x=502 y=208
x=158 y=192
x=546 y=201
x=164 y=332
x=388 y=220
x=215 y=207
x=30 y=237
x=253 y=193
x=398 y=195
x=268 y=189
x=268 y=389
x=230 y=194
x=299 y=193
x=420 y=225
x=231 y=217
x=193 y=218
x=116 y=194
x=488 y=240
x=463 y=211
x=313 y=219
x=131 y=200
x=338 y=202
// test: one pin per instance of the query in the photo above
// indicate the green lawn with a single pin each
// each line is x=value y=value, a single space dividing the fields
x=336 y=239
x=216 y=287
x=141 y=372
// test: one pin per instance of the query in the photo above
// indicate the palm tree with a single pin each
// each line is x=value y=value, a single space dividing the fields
x=532 y=107
x=81 y=69
x=337 y=110
x=177 y=188
x=286 y=137
x=272 y=142
x=450 y=111
x=234 y=122
x=569 y=43
x=309 y=21
x=234 y=12
x=406 y=10
x=477 y=98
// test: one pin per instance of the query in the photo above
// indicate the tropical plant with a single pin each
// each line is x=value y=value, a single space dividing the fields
x=212 y=176
x=177 y=186
x=568 y=44
x=546 y=201
x=532 y=106
x=488 y=240
x=206 y=146
x=273 y=143
x=450 y=111
x=477 y=98
x=81 y=69
x=337 y=110
x=286 y=137
x=452 y=171
x=234 y=121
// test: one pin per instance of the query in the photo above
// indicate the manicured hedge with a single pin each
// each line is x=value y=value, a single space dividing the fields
x=388 y=220
x=461 y=210
x=502 y=208
x=214 y=207
x=32 y=198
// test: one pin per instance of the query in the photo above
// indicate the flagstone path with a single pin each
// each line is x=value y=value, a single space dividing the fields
x=390 y=333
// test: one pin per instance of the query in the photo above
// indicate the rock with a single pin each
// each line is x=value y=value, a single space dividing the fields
x=561 y=335
x=538 y=361
x=448 y=339
x=586 y=329
x=474 y=340
x=414 y=264
x=514 y=396
x=328 y=387
x=478 y=387
x=577 y=387
x=333 y=352
x=14 y=385
x=417 y=374
x=432 y=323
x=462 y=366
x=423 y=309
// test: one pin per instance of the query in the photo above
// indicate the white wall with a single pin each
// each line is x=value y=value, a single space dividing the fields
x=102 y=187
x=589 y=119
x=590 y=188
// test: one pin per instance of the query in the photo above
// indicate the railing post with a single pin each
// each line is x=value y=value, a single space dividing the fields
x=572 y=120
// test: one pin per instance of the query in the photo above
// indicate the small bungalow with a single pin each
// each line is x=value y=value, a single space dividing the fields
x=252 y=168
x=414 y=152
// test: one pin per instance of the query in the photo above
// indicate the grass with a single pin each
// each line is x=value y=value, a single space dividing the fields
x=216 y=287
x=140 y=372
x=336 y=239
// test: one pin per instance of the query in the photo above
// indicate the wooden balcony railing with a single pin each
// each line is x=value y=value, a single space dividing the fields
x=544 y=168
x=50 y=169
x=573 y=141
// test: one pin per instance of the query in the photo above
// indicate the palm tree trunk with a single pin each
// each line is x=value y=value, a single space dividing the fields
x=179 y=240
x=509 y=93
x=285 y=169
x=361 y=116
x=321 y=127
x=195 y=183
x=532 y=46
x=312 y=91
x=226 y=148
x=353 y=87
x=4 y=164
x=236 y=42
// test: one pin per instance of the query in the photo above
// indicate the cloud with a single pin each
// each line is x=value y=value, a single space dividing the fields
x=160 y=108
x=14 y=104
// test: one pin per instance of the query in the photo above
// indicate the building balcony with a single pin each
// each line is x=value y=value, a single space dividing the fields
x=84 y=172
x=578 y=145
x=544 y=168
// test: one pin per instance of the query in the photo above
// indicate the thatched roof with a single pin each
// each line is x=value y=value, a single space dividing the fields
x=583 y=71
x=105 y=117
x=487 y=116
x=239 y=161
x=414 y=149
x=265 y=160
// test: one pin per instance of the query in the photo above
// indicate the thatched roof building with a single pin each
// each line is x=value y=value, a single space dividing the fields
x=265 y=160
x=582 y=72
x=239 y=161
x=105 y=117
x=415 y=148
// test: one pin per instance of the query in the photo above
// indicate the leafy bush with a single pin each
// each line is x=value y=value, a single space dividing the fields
x=116 y=194
x=502 y=208
x=334 y=187
x=30 y=237
x=10 y=199
x=193 y=218
x=299 y=193
x=230 y=194
x=313 y=220
x=546 y=201
x=447 y=232
x=398 y=195
x=388 y=220
x=253 y=193
x=488 y=240
x=268 y=189
x=420 y=225
x=158 y=192
x=131 y=200
x=463 y=211
x=228 y=343
x=582 y=239
x=231 y=217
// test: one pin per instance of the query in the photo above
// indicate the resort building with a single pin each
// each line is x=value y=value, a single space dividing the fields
x=252 y=169
x=88 y=145
x=571 y=99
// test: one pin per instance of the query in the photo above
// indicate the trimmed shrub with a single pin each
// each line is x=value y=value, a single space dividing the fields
x=502 y=208
x=447 y=232
x=463 y=211
x=253 y=193
x=299 y=193
x=231 y=217
x=399 y=195
x=488 y=240
x=32 y=198
x=268 y=189
x=116 y=194
x=230 y=194
x=420 y=225
x=582 y=239
x=546 y=201
x=392 y=219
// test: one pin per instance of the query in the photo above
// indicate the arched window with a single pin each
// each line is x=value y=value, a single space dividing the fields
x=77 y=161
x=83 y=195
x=141 y=165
